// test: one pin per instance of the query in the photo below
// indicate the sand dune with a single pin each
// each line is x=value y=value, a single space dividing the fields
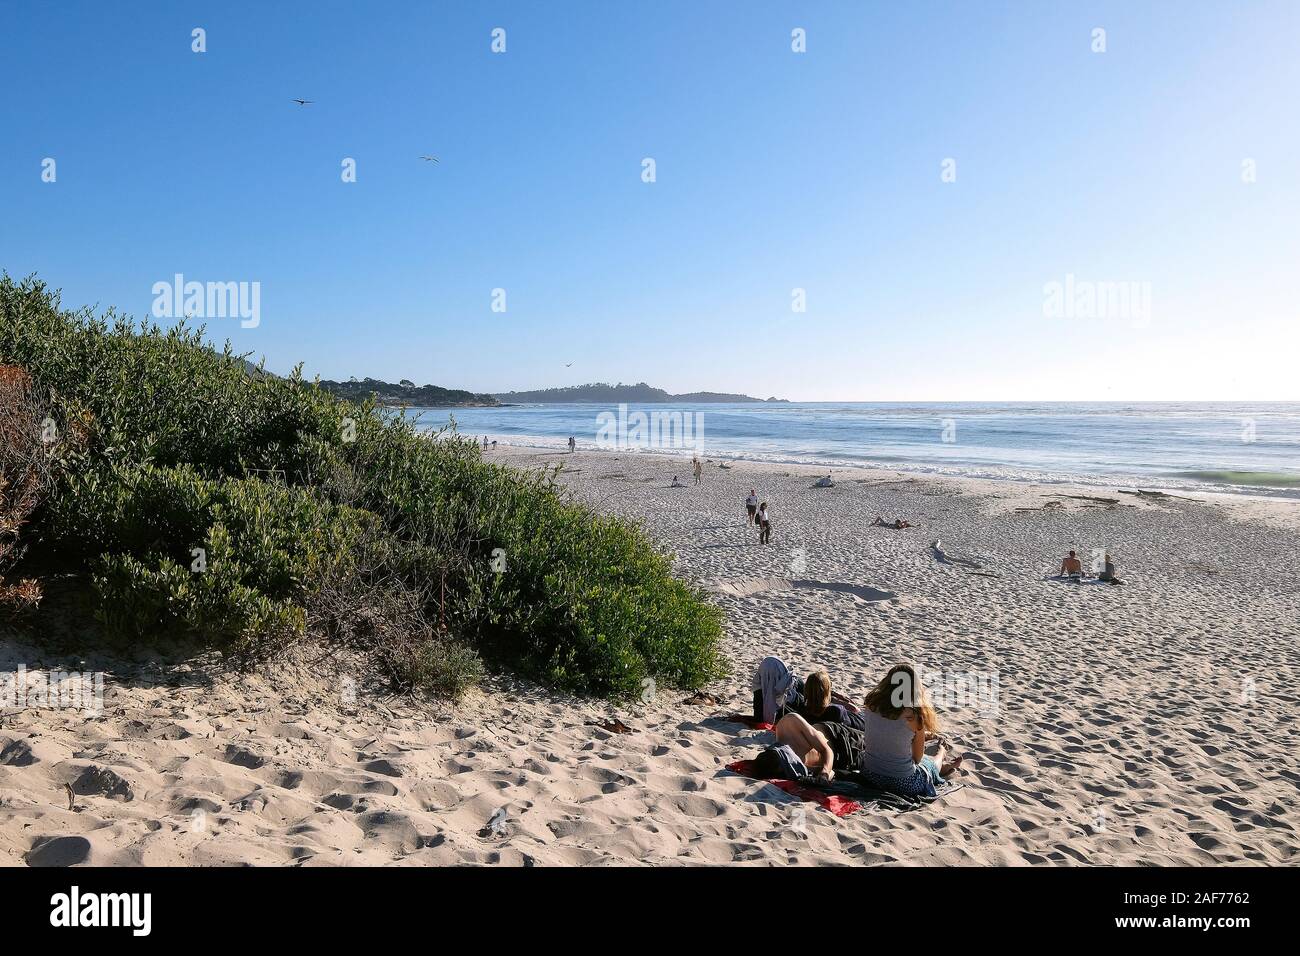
x=1149 y=723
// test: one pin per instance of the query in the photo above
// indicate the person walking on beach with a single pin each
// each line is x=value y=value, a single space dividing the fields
x=764 y=525
x=572 y=445
x=751 y=505
x=697 y=468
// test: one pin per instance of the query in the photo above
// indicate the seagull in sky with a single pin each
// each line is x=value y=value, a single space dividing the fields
x=304 y=102
x=429 y=159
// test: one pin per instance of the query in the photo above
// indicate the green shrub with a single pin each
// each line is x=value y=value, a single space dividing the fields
x=184 y=447
x=228 y=559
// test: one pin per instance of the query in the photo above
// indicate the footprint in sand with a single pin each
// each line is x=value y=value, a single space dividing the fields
x=242 y=757
x=59 y=851
x=395 y=831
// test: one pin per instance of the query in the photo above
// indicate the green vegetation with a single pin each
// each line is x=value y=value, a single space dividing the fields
x=406 y=393
x=247 y=510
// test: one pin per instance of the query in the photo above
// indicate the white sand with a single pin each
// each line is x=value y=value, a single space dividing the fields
x=1149 y=723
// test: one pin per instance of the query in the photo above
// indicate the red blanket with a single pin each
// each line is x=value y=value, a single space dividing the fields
x=840 y=806
x=749 y=721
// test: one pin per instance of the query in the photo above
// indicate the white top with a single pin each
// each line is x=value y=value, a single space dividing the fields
x=752 y=501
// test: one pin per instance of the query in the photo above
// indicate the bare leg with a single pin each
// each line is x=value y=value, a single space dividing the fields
x=803 y=739
x=951 y=766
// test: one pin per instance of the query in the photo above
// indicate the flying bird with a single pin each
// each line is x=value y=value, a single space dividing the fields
x=304 y=102
x=429 y=159
x=568 y=365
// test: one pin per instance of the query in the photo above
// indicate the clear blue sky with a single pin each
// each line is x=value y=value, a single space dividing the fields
x=775 y=171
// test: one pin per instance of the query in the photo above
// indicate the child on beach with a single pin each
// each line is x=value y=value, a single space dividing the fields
x=751 y=505
x=899 y=718
x=764 y=525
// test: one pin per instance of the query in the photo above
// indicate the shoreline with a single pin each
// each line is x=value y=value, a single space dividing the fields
x=1281 y=508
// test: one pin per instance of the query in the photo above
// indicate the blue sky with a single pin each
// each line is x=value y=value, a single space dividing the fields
x=775 y=170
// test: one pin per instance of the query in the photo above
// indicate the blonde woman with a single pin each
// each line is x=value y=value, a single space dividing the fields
x=899 y=718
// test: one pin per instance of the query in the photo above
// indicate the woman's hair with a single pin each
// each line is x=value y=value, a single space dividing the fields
x=817 y=691
x=902 y=690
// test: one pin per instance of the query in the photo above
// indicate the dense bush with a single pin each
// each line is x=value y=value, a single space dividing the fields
x=284 y=486
x=27 y=459
x=233 y=560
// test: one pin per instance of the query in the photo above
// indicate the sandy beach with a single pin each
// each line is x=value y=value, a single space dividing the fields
x=1152 y=723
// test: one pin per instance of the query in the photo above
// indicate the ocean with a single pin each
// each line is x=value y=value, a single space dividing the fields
x=1237 y=447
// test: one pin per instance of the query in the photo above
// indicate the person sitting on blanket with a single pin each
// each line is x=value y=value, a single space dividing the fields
x=776 y=691
x=899 y=718
x=1071 y=566
x=821 y=747
x=820 y=707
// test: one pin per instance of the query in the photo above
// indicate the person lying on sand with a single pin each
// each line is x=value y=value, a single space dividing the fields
x=1071 y=566
x=899 y=718
x=677 y=483
x=826 y=482
x=776 y=691
x=1108 y=573
x=820 y=706
x=751 y=504
x=898 y=523
x=780 y=763
x=822 y=747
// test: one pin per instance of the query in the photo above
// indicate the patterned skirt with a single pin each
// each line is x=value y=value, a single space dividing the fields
x=920 y=783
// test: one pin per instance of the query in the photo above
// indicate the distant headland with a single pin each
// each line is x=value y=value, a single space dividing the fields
x=604 y=394
x=406 y=392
